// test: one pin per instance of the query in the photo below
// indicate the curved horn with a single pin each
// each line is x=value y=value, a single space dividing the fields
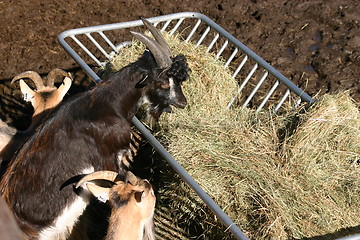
x=34 y=76
x=64 y=87
x=105 y=175
x=158 y=37
x=54 y=73
x=162 y=60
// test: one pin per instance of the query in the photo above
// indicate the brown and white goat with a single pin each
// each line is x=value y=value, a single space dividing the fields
x=132 y=204
x=44 y=97
x=83 y=135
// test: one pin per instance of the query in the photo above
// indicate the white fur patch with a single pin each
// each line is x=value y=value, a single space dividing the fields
x=64 y=223
x=124 y=157
x=172 y=90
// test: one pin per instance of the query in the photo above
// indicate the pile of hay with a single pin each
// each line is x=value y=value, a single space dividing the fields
x=306 y=184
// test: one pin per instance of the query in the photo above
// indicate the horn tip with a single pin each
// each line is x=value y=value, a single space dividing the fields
x=139 y=36
x=144 y=20
x=13 y=80
x=134 y=33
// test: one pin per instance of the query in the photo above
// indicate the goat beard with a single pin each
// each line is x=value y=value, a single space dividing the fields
x=153 y=115
x=150 y=114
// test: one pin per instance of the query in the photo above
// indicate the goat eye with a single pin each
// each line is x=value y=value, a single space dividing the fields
x=165 y=85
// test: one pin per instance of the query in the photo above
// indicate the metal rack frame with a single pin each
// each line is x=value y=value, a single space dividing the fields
x=219 y=42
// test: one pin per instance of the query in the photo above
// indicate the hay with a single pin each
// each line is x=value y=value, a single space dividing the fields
x=324 y=154
x=302 y=186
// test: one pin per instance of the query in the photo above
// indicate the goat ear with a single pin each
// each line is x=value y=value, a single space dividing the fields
x=139 y=196
x=145 y=80
x=64 y=87
x=130 y=178
x=27 y=92
x=101 y=193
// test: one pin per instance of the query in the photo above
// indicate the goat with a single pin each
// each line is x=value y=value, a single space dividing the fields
x=132 y=204
x=45 y=97
x=83 y=135
x=174 y=96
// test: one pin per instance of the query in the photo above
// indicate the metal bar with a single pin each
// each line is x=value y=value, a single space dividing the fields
x=190 y=181
x=222 y=49
x=240 y=66
x=78 y=59
x=97 y=45
x=177 y=26
x=122 y=45
x=86 y=50
x=165 y=25
x=267 y=96
x=352 y=237
x=248 y=78
x=202 y=37
x=130 y=24
x=304 y=96
x=107 y=40
x=231 y=57
x=287 y=93
x=193 y=30
x=255 y=89
x=213 y=42
x=234 y=75
x=243 y=85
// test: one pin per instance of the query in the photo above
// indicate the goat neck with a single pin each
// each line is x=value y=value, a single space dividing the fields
x=124 y=90
x=126 y=227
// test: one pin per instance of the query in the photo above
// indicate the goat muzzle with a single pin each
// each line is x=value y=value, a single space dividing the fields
x=180 y=101
x=180 y=105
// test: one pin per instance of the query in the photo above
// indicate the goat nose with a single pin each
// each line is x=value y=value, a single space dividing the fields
x=180 y=103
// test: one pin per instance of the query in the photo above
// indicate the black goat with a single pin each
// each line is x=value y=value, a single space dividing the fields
x=83 y=135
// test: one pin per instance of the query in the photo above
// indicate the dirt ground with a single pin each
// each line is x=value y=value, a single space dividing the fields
x=316 y=44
